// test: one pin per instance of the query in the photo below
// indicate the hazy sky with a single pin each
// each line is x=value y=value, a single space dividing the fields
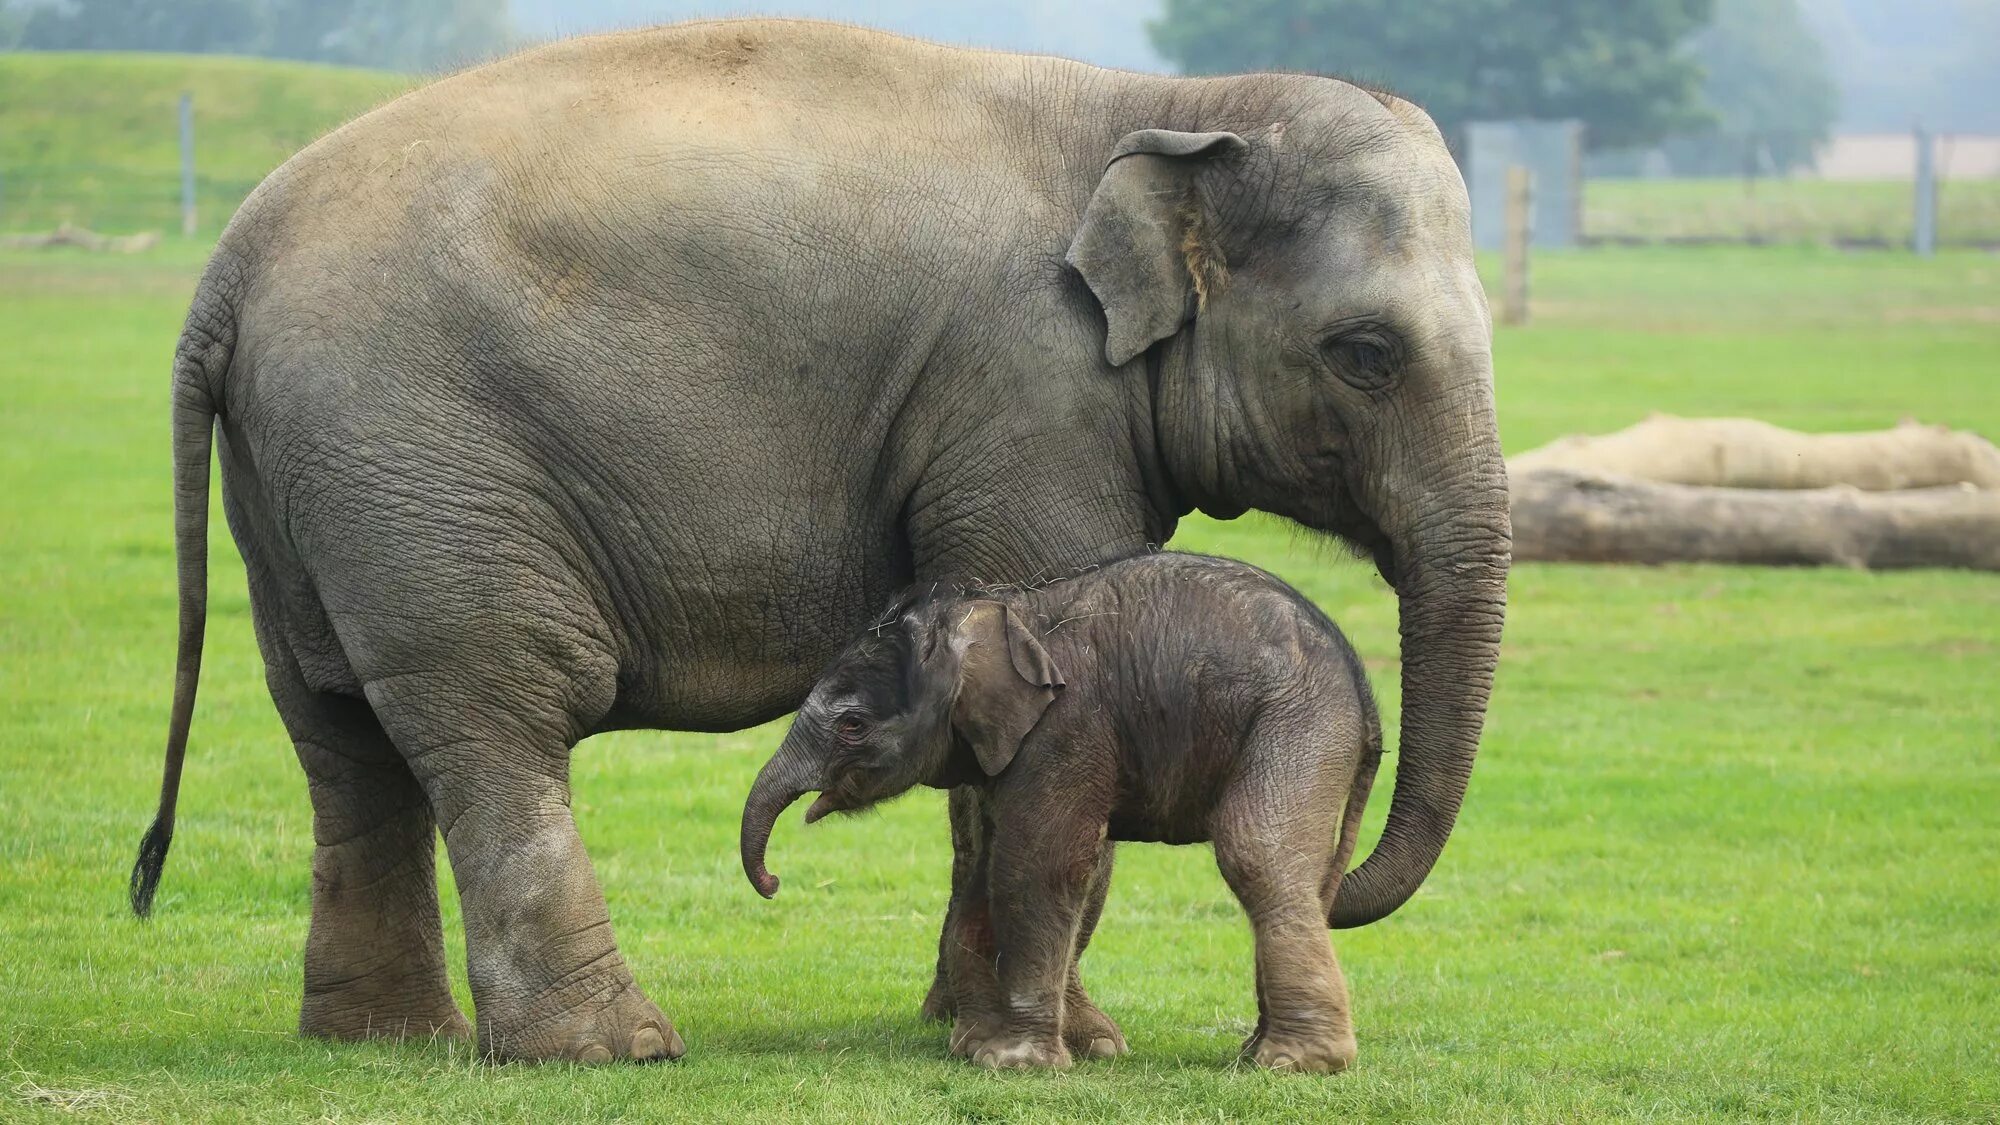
x=1106 y=32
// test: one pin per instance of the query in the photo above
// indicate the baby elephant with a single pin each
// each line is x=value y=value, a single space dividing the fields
x=1167 y=697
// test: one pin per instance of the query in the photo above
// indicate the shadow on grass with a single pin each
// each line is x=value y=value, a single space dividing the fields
x=911 y=1041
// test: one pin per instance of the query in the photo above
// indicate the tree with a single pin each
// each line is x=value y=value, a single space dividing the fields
x=1770 y=88
x=12 y=21
x=1617 y=65
x=393 y=34
x=200 y=26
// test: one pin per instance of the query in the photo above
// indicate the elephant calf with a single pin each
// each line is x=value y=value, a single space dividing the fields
x=1167 y=697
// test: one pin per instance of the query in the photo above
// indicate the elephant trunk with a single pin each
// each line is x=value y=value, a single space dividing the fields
x=1452 y=583
x=784 y=779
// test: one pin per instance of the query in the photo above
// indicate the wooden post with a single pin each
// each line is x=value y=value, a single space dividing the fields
x=1520 y=233
x=187 y=164
x=1923 y=238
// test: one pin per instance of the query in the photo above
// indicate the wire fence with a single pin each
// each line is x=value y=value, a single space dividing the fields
x=1852 y=190
x=114 y=198
x=1853 y=213
x=146 y=196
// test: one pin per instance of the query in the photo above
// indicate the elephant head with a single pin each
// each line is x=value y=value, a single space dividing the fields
x=1303 y=297
x=940 y=693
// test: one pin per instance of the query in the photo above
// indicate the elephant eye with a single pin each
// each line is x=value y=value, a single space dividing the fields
x=1364 y=359
x=850 y=727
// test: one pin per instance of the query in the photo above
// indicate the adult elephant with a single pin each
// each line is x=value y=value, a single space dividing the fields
x=615 y=384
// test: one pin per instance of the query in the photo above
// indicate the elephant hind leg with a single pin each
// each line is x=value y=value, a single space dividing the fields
x=487 y=728
x=374 y=959
x=1273 y=842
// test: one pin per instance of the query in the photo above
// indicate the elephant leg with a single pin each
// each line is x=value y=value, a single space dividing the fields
x=968 y=950
x=1086 y=1029
x=940 y=1004
x=1275 y=860
x=374 y=959
x=1044 y=861
x=548 y=981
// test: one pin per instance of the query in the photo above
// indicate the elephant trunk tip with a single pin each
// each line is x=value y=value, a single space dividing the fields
x=765 y=882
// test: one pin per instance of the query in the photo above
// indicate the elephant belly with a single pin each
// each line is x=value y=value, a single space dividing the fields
x=735 y=633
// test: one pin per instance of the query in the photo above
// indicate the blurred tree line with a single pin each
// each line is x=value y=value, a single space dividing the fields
x=1734 y=85
x=1730 y=86
x=411 y=35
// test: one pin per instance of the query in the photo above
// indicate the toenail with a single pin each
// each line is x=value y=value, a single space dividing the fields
x=596 y=1054
x=647 y=1043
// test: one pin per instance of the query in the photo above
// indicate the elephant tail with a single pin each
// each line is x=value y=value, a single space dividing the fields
x=1357 y=794
x=201 y=357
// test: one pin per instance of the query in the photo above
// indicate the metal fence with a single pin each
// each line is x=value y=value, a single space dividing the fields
x=143 y=194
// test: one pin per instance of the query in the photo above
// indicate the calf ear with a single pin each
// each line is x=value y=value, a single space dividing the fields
x=1144 y=247
x=1005 y=681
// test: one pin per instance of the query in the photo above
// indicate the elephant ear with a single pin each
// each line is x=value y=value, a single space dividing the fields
x=1142 y=248
x=1005 y=681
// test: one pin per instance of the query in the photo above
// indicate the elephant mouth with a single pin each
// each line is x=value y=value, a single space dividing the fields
x=1383 y=553
x=824 y=806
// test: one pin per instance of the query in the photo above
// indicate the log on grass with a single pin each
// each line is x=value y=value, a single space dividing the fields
x=67 y=235
x=1564 y=515
x=1742 y=453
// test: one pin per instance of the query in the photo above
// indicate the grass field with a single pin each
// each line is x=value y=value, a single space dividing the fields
x=1732 y=850
x=1791 y=210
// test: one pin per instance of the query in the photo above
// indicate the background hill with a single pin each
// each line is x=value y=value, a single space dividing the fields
x=92 y=138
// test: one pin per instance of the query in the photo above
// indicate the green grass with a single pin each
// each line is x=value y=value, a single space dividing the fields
x=93 y=139
x=1731 y=852
x=1797 y=210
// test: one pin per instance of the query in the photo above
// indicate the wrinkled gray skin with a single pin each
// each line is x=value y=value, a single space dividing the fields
x=1165 y=697
x=615 y=384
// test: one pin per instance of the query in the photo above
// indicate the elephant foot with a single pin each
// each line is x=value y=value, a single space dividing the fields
x=625 y=1026
x=939 y=1006
x=1304 y=1054
x=969 y=1033
x=1089 y=1033
x=381 y=1008
x=1021 y=1052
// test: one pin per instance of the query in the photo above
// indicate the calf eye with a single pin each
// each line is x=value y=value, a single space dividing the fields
x=850 y=727
x=1363 y=358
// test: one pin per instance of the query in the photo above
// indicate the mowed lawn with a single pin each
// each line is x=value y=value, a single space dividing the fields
x=1732 y=850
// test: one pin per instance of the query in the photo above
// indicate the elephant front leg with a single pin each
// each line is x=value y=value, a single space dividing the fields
x=967 y=949
x=964 y=990
x=1086 y=1029
x=1042 y=870
x=941 y=1002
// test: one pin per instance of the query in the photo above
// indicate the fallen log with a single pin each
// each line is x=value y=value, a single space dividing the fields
x=67 y=235
x=1565 y=515
x=1741 y=453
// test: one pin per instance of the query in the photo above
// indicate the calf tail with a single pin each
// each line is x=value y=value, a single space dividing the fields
x=1357 y=797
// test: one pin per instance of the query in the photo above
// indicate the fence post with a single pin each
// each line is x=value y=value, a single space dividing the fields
x=1520 y=233
x=1923 y=239
x=187 y=164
